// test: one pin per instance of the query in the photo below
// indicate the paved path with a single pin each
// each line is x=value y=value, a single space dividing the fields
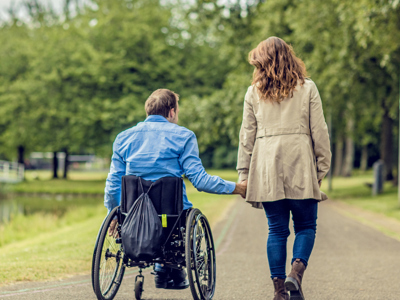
x=350 y=261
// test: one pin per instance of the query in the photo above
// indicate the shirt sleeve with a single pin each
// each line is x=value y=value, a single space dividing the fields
x=194 y=171
x=247 y=138
x=112 y=192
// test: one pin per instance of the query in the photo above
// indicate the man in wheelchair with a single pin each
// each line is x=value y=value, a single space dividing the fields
x=158 y=148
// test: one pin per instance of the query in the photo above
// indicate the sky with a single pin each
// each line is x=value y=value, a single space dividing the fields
x=5 y=4
x=57 y=5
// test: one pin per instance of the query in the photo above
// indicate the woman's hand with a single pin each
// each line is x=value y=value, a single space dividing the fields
x=241 y=189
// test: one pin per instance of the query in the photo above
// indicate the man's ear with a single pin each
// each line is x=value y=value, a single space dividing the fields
x=172 y=113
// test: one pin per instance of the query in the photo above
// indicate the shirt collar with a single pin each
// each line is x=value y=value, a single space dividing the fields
x=156 y=118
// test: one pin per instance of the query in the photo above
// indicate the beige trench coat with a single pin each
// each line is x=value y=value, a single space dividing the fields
x=284 y=148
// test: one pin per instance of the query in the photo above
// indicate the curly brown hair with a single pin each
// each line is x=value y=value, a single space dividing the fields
x=277 y=69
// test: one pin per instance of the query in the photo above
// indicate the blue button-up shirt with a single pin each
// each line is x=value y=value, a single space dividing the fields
x=158 y=148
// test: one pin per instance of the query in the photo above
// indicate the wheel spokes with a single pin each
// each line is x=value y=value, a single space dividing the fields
x=202 y=254
x=110 y=263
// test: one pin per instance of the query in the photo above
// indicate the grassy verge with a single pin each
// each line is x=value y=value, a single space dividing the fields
x=47 y=215
x=354 y=191
x=50 y=254
x=59 y=186
x=78 y=182
x=59 y=242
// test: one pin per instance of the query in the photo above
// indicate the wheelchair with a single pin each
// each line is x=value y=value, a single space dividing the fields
x=188 y=242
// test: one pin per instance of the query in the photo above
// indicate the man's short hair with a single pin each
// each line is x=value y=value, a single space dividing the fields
x=161 y=102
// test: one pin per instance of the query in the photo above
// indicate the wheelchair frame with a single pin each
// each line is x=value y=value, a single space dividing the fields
x=189 y=244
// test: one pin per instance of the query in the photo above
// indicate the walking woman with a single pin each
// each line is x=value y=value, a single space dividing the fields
x=284 y=153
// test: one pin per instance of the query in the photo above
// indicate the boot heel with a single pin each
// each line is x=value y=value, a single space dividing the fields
x=293 y=281
x=291 y=284
x=161 y=285
x=296 y=296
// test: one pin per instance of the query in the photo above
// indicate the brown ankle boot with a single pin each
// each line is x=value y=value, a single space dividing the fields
x=293 y=281
x=280 y=291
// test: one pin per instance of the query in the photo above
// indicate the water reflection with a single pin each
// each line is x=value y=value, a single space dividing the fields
x=50 y=204
x=9 y=208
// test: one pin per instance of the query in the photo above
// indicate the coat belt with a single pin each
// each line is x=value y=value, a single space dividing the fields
x=264 y=132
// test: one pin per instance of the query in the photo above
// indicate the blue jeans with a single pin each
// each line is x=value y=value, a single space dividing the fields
x=304 y=214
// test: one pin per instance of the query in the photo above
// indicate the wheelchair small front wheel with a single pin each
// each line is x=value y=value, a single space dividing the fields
x=138 y=289
x=200 y=256
x=108 y=268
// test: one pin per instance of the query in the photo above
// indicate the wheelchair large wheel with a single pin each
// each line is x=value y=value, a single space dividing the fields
x=200 y=256
x=108 y=268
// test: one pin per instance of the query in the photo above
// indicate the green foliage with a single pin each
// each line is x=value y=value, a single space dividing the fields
x=351 y=52
x=75 y=81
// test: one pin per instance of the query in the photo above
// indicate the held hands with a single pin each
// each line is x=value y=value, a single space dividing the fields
x=241 y=189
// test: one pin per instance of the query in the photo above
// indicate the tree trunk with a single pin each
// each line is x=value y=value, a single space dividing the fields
x=55 y=165
x=364 y=158
x=349 y=149
x=387 y=144
x=66 y=161
x=338 y=157
x=21 y=152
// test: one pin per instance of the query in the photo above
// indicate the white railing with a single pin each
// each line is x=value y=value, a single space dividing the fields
x=12 y=172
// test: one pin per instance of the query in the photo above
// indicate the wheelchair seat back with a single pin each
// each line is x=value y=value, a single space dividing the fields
x=166 y=194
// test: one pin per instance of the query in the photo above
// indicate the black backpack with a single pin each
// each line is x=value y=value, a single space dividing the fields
x=142 y=231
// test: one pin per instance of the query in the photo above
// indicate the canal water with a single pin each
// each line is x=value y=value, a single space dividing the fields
x=58 y=205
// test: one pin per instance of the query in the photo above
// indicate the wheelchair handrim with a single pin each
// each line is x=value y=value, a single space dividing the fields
x=109 y=268
x=208 y=261
x=113 y=278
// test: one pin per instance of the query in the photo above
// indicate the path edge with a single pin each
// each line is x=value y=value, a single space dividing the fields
x=380 y=222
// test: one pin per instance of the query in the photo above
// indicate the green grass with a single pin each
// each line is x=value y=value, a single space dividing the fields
x=57 y=238
x=33 y=175
x=79 y=182
x=56 y=253
x=45 y=215
x=354 y=191
x=60 y=186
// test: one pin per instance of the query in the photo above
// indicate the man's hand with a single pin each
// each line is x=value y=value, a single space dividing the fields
x=112 y=230
x=320 y=182
x=241 y=189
